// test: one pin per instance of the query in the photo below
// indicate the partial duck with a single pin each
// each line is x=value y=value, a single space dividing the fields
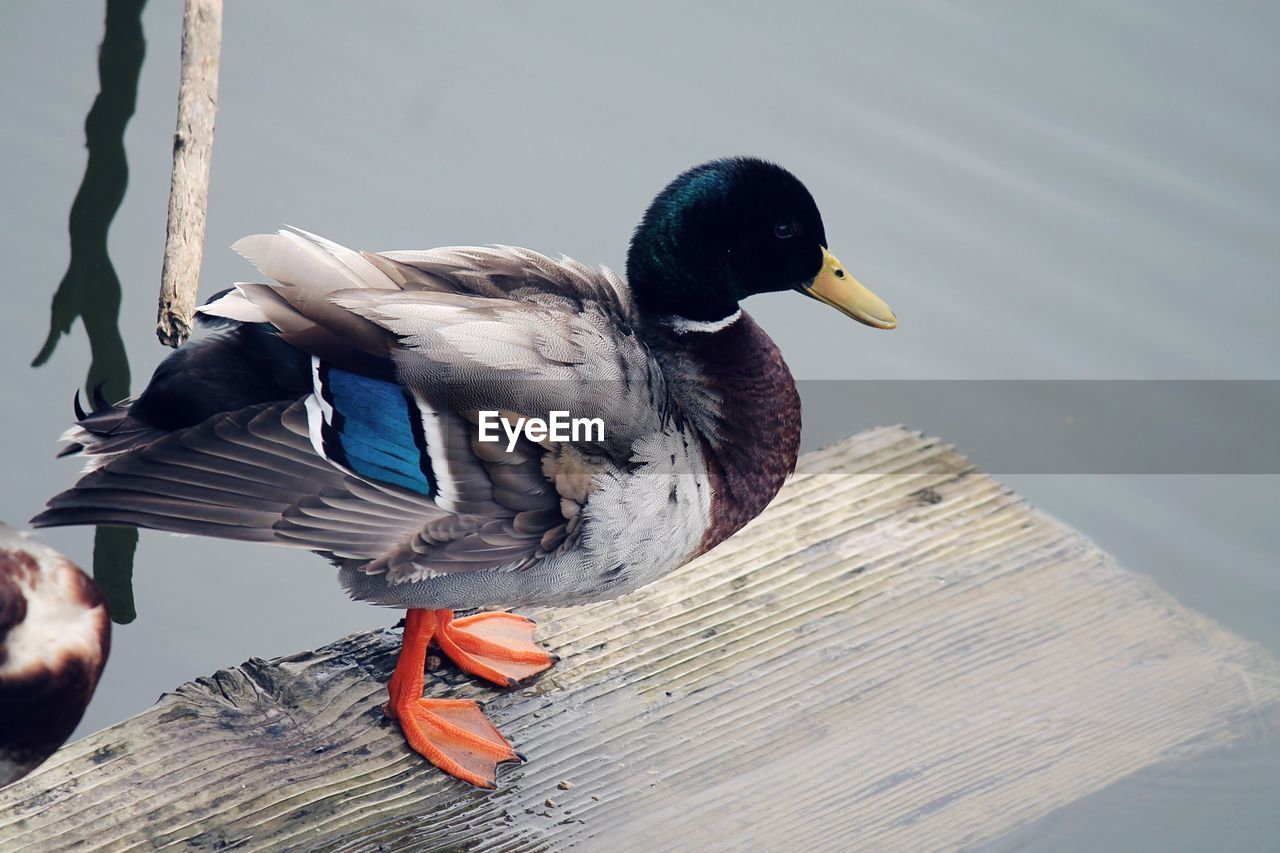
x=54 y=639
x=338 y=407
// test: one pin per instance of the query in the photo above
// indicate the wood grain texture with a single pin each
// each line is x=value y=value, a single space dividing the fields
x=899 y=654
x=189 y=184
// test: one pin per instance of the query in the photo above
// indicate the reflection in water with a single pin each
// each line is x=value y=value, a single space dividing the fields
x=90 y=289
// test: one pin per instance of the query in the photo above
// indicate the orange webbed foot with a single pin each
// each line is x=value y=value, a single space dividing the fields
x=494 y=645
x=454 y=735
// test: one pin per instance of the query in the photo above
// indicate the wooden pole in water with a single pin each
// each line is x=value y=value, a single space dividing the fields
x=192 y=152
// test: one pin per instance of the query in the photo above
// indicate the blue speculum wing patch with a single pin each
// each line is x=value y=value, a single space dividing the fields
x=376 y=430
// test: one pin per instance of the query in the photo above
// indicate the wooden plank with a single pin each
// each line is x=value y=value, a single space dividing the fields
x=898 y=652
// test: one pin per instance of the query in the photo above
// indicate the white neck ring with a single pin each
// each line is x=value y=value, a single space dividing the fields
x=683 y=325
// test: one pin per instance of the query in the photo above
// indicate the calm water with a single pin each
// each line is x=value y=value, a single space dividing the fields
x=1086 y=191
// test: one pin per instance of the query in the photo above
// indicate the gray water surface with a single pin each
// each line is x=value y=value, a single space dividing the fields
x=1083 y=191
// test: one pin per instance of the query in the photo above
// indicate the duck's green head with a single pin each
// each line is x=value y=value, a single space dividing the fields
x=730 y=228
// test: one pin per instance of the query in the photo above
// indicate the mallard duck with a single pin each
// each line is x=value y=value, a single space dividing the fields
x=54 y=639
x=349 y=406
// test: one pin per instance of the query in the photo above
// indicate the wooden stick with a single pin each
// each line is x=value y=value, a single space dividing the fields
x=192 y=152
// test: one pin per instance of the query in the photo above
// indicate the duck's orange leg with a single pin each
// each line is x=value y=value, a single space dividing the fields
x=495 y=646
x=453 y=734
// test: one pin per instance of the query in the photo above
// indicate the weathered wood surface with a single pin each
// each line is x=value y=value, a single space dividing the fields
x=899 y=654
x=189 y=183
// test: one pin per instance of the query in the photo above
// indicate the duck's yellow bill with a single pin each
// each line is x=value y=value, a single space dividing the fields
x=846 y=294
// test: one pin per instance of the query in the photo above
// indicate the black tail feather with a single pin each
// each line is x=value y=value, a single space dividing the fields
x=237 y=366
x=99 y=399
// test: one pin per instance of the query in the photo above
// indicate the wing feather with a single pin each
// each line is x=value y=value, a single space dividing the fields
x=468 y=329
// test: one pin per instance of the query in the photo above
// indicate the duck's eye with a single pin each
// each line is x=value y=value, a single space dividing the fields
x=784 y=231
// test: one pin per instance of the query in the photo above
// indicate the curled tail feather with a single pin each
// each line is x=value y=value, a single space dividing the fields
x=106 y=431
